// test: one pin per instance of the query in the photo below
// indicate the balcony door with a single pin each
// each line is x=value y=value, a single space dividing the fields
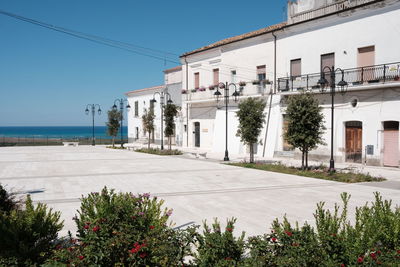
x=366 y=59
x=328 y=60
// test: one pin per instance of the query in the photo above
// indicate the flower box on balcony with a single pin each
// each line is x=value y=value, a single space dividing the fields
x=266 y=81
x=184 y=92
x=255 y=82
x=202 y=89
x=242 y=83
x=212 y=87
x=194 y=90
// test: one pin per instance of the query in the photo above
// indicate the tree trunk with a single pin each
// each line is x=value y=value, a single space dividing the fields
x=306 y=159
x=169 y=141
x=251 y=153
x=302 y=160
x=148 y=144
x=113 y=141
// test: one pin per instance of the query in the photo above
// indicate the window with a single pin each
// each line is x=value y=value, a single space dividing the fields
x=197 y=80
x=215 y=76
x=295 y=68
x=151 y=104
x=233 y=76
x=366 y=56
x=136 y=108
x=261 y=73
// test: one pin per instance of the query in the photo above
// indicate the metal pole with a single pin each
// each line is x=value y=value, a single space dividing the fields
x=332 y=161
x=162 y=118
x=226 y=158
x=121 y=104
x=93 y=125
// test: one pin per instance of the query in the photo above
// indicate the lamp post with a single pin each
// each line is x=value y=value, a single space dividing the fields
x=121 y=109
x=162 y=95
x=342 y=87
x=217 y=94
x=92 y=107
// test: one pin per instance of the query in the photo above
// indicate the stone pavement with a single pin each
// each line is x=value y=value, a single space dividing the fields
x=195 y=189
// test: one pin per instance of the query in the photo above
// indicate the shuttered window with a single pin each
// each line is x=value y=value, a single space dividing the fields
x=295 y=68
x=196 y=80
x=215 y=76
x=366 y=56
x=136 y=108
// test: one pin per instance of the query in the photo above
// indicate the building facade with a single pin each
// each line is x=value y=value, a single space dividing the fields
x=140 y=101
x=359 y=37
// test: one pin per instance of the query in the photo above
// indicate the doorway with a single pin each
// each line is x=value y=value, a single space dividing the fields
x=197 y=134
x=354 y=141
x=391 y=143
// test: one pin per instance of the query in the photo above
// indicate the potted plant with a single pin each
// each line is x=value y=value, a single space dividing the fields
x=202 y=89
x=211 y=87
x=256 y=82
x=242 y=83
x=184 y=92
x=194 y=90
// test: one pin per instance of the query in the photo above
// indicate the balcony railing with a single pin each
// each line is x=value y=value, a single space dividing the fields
x=354 y=77
x=248 y=90
x=328 y=9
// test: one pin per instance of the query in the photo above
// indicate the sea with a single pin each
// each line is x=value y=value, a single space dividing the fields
x=56 y=131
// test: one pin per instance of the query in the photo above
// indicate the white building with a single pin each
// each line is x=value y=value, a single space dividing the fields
x=140 y=100
x=361 y=37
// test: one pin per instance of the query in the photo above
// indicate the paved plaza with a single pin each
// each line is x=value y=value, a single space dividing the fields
x=195 y=189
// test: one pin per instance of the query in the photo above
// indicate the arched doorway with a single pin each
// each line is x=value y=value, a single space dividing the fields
x=354 y=141
x=196 y=134
x=391 y=143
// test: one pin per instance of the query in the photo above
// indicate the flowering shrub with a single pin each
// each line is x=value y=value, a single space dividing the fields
x=27 y=235
x=372 y=240
x=122 y=229
x=202 y=89
x=216 y=247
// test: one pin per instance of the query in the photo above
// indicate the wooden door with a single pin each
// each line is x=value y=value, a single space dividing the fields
x=353 y=143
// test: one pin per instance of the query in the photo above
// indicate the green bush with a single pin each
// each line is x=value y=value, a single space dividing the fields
x=123 y=229
x=219 y=248
x=157 y=151
x=7 y=200
x=27 y=236
x=372 y=240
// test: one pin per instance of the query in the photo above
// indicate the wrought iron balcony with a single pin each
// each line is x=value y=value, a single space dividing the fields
x=383 y=73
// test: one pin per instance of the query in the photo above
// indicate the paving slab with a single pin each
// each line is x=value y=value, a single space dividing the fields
x=195 y=189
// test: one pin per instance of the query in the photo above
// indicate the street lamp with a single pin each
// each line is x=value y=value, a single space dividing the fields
x=92 y=107
x=121 y=109
x=162 y=103
x=217 y=94
x=342 y=87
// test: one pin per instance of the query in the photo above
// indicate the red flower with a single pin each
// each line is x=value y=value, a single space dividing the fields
x=81 y=257
x=360 y=259
x=86 y=226
x=295 y=244
x=229 y=229
x=274 y=239
x=373 y=255
x=70 y=248
x=398 y=251
x=289 y=233
x=228 y=258
x=342 y=265
x=143 y=255
x=379 y=252
x=151 y=227
x=96 y=228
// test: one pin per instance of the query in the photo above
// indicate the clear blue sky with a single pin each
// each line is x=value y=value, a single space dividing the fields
x=47 y=78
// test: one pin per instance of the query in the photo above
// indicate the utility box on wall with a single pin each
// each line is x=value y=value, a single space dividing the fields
x=369 y=149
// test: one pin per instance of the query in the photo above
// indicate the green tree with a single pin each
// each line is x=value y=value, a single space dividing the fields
x=251 y=119
x=170 y=112
x=148 y=122
x=305 y=124
x=114 y=117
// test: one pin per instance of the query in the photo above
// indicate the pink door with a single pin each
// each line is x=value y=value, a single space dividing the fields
x=391 y=148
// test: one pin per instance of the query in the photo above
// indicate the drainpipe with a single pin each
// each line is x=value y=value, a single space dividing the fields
x=187 y=105
x=270 y=97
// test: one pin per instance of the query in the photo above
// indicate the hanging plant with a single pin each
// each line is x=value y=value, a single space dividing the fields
x=184 y=92
x=211 y=87
x=242 y=83
x=194 y=90
x=202 y=89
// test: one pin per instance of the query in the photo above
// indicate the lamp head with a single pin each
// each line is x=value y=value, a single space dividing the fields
x=128 y=106
x=87 y=111
x=114 y=106
x=169 y=101
x=99 y=111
